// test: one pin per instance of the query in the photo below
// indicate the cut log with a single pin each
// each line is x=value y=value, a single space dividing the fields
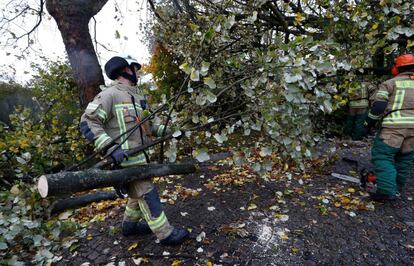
x=71 y=182
x=76 y=202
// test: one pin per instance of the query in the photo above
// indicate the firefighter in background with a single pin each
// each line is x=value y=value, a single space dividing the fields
x=358 y=111
x=393 y=148
x=114 y=111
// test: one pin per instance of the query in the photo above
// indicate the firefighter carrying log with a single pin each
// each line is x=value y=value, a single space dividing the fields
x=113 y=112
x=393 y=148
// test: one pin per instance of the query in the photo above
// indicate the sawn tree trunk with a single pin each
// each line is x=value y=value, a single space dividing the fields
x=70 y=182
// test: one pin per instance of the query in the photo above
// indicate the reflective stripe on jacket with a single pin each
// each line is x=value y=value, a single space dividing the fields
x=359 y=97
x=111 y=114
x=399 y=93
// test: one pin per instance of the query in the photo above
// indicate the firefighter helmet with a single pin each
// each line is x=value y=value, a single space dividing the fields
x=114 y=66
x=404 y=60
x=132 y=61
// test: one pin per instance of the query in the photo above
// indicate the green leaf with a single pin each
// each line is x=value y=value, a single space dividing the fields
x=220 y=137
x=195 y=75
x=204 y=68
x=209 y=35
x=210 y=82
x=185 y=67
x=201 y=154
x=265 y=151
x=3 y=245
x=211 y=97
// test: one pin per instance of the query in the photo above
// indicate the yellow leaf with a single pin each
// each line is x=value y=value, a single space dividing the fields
x=410 y=43
x=252 y=207
x=337 y=204
x=209 y=263
x=345 y=200
x=284 y=237
x=131 y=247
x=375 y=26
x=295 y=249
x=176 y=262
x=89 y=237
x=351 y=190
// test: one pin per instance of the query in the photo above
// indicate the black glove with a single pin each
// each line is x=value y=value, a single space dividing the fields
x=118 y=155
x=121 y=191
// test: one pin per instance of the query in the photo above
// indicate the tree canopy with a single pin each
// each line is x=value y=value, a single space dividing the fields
x=283 y=63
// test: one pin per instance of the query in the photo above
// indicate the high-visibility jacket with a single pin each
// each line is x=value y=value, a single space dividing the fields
x=399 y=93
x=111 y=114
x=359 y=97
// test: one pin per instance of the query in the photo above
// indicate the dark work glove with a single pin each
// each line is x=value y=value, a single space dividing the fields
x=118 y=155
x=121 y=191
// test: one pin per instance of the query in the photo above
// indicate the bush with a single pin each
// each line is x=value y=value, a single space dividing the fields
x=48 y=140
x=34 y=144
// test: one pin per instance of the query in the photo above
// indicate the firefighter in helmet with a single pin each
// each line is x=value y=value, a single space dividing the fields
x=113 y=112
x=393 y=148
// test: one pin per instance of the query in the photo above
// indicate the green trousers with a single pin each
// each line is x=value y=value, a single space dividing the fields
x=391 y=167
x=354 y=126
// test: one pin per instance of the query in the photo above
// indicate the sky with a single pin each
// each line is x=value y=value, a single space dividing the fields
x=48 y=41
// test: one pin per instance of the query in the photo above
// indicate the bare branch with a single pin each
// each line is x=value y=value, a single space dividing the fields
x=151 y=3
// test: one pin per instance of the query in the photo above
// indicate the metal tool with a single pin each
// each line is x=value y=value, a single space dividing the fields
x=366 y=181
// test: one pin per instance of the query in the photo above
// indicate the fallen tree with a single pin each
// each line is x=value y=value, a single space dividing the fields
x=76 y=202
x=71 y=182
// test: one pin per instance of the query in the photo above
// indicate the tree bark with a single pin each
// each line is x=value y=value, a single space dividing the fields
x=70 y=182
x=72 y=18
x=76 y=202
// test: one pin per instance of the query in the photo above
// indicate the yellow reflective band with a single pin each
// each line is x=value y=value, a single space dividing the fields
x=158 y=222
x=398 y=101
x=135 y=160
x=153 y=223
x=102 y=114
x=133 y=213
x=400 y=104
x=122 y=128
x=130 y=106
x=384 y=94
x=402 y=120
x=101 y=140
x=404 y=84
x=398 y=122
x=375 y=117
x=92 y=106
x=359 y=103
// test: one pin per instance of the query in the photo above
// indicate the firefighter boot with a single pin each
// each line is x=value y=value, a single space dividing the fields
x=157 y=220
x=382 y=197
x=135 y=228
x=132 y=223
x=177 y=236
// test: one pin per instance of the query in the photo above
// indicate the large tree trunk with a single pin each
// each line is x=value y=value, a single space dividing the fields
x=70 y=182
x=72 y=18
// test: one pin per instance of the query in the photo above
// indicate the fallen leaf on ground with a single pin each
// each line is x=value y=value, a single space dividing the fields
x=132 y=246
x=252 y=207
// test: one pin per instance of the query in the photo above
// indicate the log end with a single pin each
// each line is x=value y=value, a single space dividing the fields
x=42 y=186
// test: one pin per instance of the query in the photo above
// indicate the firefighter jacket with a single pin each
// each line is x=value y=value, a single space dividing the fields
x=359 y=97
x=399 y=95
x=113 y=112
